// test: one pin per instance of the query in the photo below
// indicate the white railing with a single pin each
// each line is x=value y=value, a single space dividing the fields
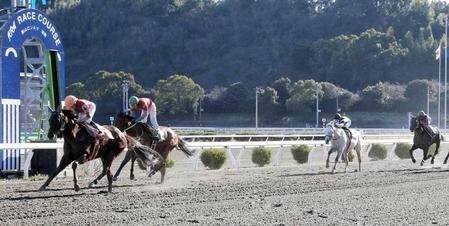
x=230 y=145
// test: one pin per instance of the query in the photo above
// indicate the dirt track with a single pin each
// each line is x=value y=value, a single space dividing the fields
x=386 y=193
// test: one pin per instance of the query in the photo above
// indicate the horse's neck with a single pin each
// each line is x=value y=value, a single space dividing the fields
x=70 y=131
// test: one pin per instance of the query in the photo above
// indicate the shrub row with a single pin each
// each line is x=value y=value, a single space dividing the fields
x=261 y=156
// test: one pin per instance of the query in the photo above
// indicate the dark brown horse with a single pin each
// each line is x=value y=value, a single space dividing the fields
x=78 y=146
x=423 y=141
x=172 y=140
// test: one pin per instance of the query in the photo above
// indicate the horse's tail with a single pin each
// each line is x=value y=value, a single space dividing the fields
x=183 y=147
x=145 y=155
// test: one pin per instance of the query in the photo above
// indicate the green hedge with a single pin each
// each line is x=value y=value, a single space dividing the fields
x=351 y=155
x=402 y=150
x=301 y=153
x=213 y=158
x=261 y=156
x=378 y=152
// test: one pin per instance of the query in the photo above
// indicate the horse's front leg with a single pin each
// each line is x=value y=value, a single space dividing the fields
x=336 y=159
x=425 y=155
x=328 y=156
x=413 y=148
x=65 y=161
x=75 y=164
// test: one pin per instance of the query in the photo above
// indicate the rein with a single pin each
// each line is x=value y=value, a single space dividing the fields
x=129 y=127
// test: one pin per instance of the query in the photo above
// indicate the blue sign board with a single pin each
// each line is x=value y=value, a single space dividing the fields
x=23 y=25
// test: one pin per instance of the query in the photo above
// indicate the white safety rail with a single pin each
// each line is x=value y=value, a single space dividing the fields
x=28 y=147
x=242 y=143
x=279 y=147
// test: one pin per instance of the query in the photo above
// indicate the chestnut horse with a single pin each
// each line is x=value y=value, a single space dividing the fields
x=78 y=147
x=172 y=140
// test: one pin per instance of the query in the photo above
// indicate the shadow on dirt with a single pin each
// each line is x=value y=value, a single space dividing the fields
x=86 y=188
x=395 y=171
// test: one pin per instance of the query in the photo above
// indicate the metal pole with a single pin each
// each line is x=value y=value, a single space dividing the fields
x=201 y=110
x=428 y=97
x=439 y=88
x=445 y=75
x=125 y=89
x=337 y=100
x=257 y=109
x=317 y=107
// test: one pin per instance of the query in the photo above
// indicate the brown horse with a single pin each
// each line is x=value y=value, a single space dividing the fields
x=172 y=140
x=78 y=142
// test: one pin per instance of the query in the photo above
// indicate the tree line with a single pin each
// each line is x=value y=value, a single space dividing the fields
x=181 y=96
x=351 y=44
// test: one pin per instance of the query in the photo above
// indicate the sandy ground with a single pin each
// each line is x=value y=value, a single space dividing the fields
x=384 y=193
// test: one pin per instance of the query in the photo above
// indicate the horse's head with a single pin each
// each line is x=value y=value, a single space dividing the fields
x=329 y=132
x=122 y=121
x=58 y=121
x=413 y=124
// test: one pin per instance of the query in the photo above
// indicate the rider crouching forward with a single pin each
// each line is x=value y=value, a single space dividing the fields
x=140 y=109
x=343 y=122
x=85 y=111
x=423 y=121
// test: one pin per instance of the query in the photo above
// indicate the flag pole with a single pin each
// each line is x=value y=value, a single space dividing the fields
x=439 y=86
x=445 y=74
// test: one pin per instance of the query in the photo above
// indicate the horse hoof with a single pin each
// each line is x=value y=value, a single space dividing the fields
x=109 y=190
x=445 y=162
x=413 y=160
x=114 y=178
x=422 y=164
x=77 y=188
x=432 y=162
x=327 y=166
x=42 y=188
x=132 y=177
x=92 y=184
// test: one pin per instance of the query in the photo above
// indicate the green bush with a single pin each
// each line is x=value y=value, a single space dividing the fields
x=301 y=153
x=378 y=152
x=351 y=155
x=402 y=150
x=213 y=158
x=261 y=156
x=169 y=162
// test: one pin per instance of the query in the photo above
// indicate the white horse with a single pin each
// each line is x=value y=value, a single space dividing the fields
x=339 y=141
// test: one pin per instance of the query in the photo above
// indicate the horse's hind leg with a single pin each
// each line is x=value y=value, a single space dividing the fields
x=131 y=171
x=163 y=168
x=346 y=158
x=125 y=160
x=108 y=162
x=103 y=172
x=62 y=165
x=328 y=156
x=359 y=156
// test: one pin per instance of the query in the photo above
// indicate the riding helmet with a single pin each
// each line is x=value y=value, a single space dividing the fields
x=133 y=100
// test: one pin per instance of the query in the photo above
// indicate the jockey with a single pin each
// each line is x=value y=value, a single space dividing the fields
x=343 y=122
x=424 y=120
x=140 y=109
x=85 y=111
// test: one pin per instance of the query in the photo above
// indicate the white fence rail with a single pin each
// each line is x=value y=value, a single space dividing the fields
x=232 y=145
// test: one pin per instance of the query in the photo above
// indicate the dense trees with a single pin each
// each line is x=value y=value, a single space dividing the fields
x=353 y=44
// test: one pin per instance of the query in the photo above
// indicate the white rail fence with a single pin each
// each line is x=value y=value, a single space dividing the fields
x=234 y=144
